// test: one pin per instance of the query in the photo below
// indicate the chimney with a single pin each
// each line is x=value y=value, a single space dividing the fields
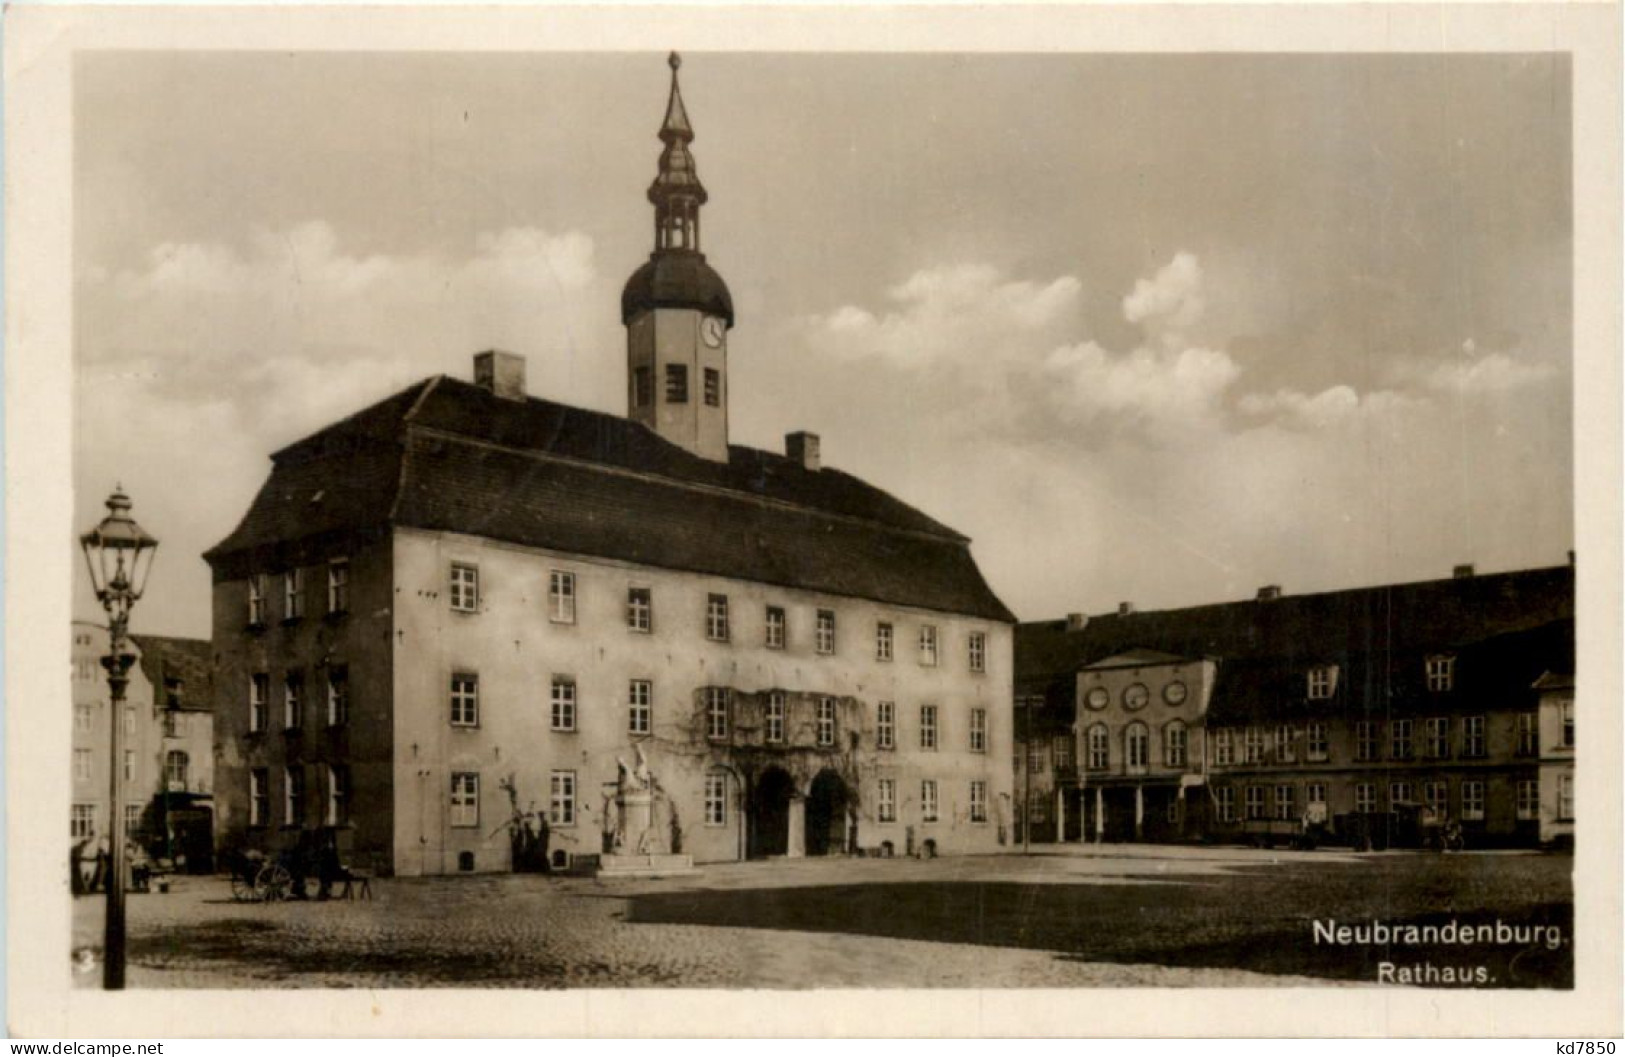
x=500 y=373
x=1269 y=592
x=1125 y=608
x=1462 y=572
x=1076 y=622
x=1571 y=559
x=802 y=447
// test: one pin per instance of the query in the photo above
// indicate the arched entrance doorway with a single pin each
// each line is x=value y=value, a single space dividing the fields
x=770 y=814
x=827 y=804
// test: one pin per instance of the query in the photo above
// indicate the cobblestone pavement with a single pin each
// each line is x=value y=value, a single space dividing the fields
x=550 y=932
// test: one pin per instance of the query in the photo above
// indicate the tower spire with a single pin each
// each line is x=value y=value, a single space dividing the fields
x=677 y=193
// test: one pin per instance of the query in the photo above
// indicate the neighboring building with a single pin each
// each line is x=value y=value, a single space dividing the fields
x=1436 y=693
x=463 y=594
x=168 y=753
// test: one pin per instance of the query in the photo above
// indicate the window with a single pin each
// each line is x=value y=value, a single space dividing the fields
x=293 y=700
x=1255 y=802
x=293 y=796
x=1035 y=757
x=1437 y=733
x=1528 y=734
x=1399 y=739
x=1399 y=793
x=1441 y=673
x=1365 y=797
x=775 y=717
x=1224 y=747
x=1436 y=794
x=928 y=800
x=928 y=645
x=716 y=799
x=886 y=725
x=81 y=717
x=465 y=587
x=563 y=703
x=713 y=387
x=1472 y=737
x=338 y=795
x=338 y=695
x=1097 y=742
x=1565 y=797
x=928 y=726
x=259 y=701
x=1315 y=794
x=1137 y=747
x=1283 y=744
x=1565 y=712
x=978 y=801
x=886 y=801
x=639 y=706
x=978 y=651
x=1255 y=745
x=1286 y=808
x=129 y=720
x=1038 y=808
x=1322 y=682
x=1172 y=815
x=775 y=627
x=465 y=699
x=1528 y=800
x=81 y=765
x=1227 y=803
x=883 y=639
x=825 y=634
x=716 y=712
x=561 y=598
x=338 y=585
x=561 y=800
x=174 y=724
x=1175 y=740
x=1316 y=746
x=129 y=766
x=256 y=600
x=259 y=796
x=716 y=618
x=978 y=730
x=1365 y=741
x=640 y=609
x=1062 y=751
x=826 y=721
x=82 y=823
x=465 y=800
x=676 y=383
x=293 y=594
x=1472 y=800
x=174 y=692
x=642 y=387
x=176 y=767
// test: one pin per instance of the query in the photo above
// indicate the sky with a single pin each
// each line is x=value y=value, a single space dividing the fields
x=1148 y=328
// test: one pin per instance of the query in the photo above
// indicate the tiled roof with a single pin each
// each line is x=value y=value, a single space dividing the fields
x=451 y=456
x=189 y=660
x=1295 y=632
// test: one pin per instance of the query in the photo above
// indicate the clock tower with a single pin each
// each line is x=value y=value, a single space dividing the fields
x=677 y=310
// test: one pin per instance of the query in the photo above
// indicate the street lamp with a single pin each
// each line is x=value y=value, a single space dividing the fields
x=119 y=555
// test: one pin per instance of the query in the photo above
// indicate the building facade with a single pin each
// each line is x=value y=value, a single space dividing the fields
x=1452 y=694
x=464 y=606
x=167 y=770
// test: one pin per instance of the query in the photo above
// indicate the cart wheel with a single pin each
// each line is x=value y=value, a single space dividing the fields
x=273 y=883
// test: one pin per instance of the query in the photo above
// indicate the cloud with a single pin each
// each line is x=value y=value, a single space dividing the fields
x=1495 y=373
x=1170 y=302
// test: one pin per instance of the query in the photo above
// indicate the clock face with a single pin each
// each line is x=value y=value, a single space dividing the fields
x=1174 y=692
x=1136 y=696
x=1098 y=697
x=711 y=329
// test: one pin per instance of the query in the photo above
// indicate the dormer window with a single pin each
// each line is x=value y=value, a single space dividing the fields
x=1441 y=673
x=1322 y=682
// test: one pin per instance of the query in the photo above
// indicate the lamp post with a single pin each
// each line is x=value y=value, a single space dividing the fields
x=119 y=555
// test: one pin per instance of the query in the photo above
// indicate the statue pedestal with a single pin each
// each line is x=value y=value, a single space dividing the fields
x=642 y=842
x=634 y=865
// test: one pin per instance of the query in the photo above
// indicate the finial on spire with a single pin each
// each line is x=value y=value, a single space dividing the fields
x=674 y=60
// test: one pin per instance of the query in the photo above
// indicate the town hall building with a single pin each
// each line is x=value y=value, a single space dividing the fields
x=464 y=604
